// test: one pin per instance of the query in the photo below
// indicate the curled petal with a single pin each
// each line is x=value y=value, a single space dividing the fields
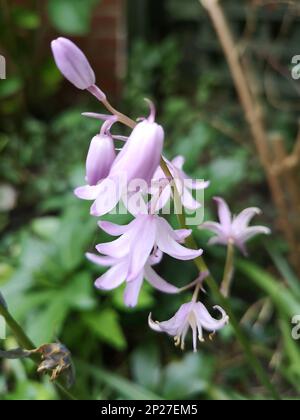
x=113 y=229
x=182 y=234
x=158 y=282
x=100 y=260
x=154 y=325
x=188 y=201
x=113 y=278
x=118 y=248
x=250 y=232
x=168 y=245
x=241 y=221
x=207 y=321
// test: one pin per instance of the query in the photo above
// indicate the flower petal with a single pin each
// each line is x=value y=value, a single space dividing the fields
x=108 y=197
x=178 y=161
x=99 y=260
x=88 y=192
x=182 y=234
x=142 y=243
x=113 y=277
x=113 y=229
x=132 y=291
x=252 y=231
x=206 y=320
x=158 y=282
x=224 y=214
x=241 y=221
x=167 y=243
x=188 y=200
x=119 y=248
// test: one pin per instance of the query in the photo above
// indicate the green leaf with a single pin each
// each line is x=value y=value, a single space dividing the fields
x=146 y=366
x=80 y=292
x=46 y=227
x=187 y=377
x=105 y=325
x=71 y=16
x=126 y=388
x=281 y=296
x=45 y=325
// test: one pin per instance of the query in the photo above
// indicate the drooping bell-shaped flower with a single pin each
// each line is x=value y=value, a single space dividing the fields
x=118 y=274
x=141 y=155
x=145 y=233
x=137 y=161
x=234 y=229
x=192 y=315
x=74 y=65
x=101 y=155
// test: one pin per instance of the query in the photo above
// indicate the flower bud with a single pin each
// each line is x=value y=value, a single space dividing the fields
x=100 y=158
x=73 y=64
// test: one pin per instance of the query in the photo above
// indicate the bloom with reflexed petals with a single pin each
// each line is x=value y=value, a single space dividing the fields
x=74 y=65
x=234 y=229
x=183 y=184
x=118 y=274
x=138 y=160
x=192 y=315
x=145 y=233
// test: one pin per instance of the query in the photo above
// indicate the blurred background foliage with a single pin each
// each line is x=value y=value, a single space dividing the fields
x=45 y=231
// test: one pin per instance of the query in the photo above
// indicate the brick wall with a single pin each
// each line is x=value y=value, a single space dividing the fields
x=106 y=45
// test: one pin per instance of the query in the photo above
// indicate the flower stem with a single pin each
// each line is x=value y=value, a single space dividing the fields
x=228 y=271
x=202 y=267
x=25 y=342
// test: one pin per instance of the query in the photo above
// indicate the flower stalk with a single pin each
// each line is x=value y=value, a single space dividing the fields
x=229 y=271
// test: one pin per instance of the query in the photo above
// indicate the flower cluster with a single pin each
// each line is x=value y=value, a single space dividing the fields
x=129 y=176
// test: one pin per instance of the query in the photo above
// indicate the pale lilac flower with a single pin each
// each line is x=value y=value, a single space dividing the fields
x=138 y=160
x=74 y=65
x=182 y=182
x=194 y=315
x=234 y=229
x=118 y=274
x=101 y=155
x=145 y=233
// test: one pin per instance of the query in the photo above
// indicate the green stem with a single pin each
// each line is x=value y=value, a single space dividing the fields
x=25 y=342
x=202 y=267
x=228 y=271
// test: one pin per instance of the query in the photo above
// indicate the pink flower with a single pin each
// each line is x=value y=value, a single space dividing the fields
x=194 y=315
x=101 y=155
x=74 y=65
x=183 y=184
x=138 y=160
x=234 y=229
x=118 y=273
x=140 y=237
